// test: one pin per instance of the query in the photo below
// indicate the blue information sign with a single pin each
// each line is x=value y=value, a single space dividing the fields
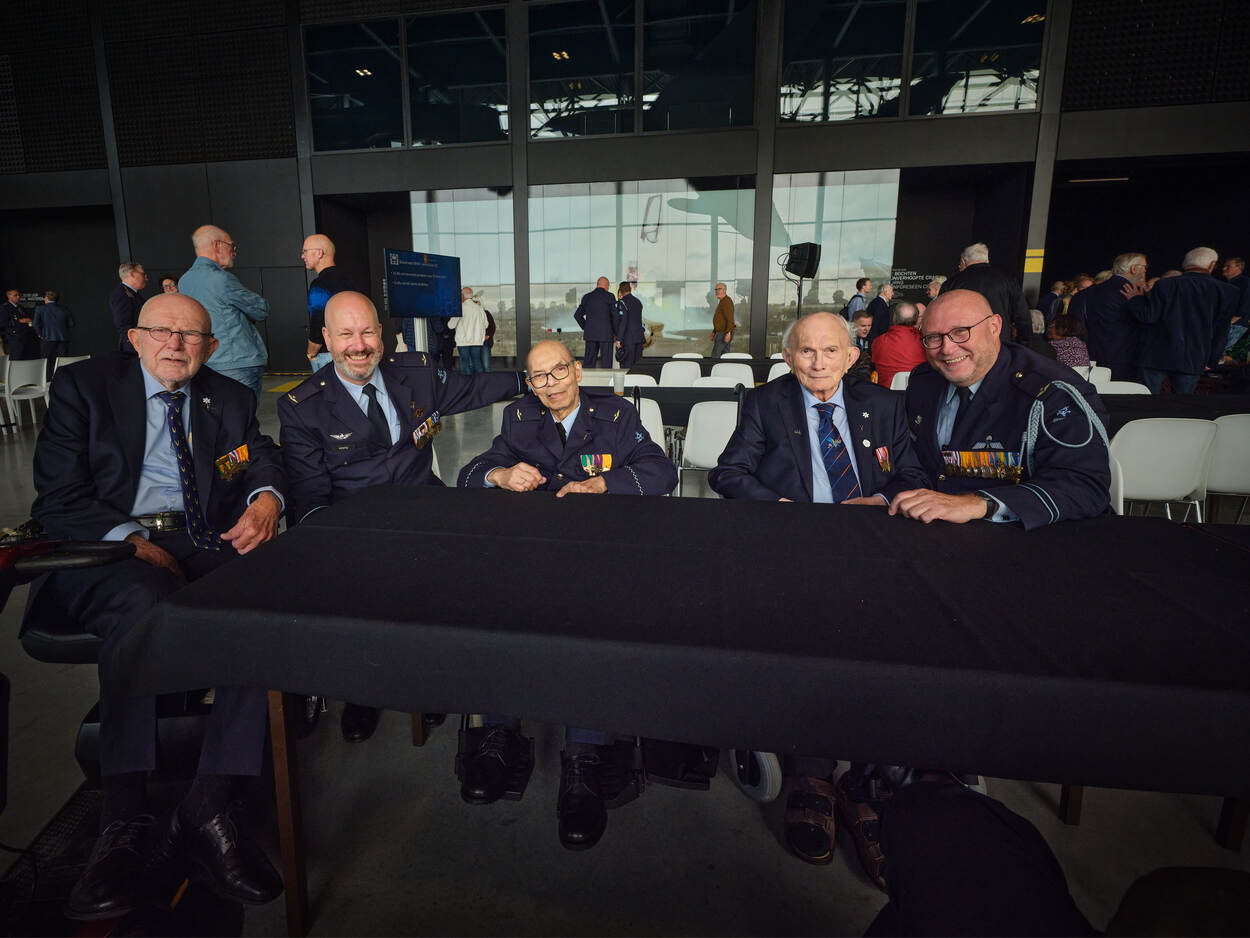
x=421 y=285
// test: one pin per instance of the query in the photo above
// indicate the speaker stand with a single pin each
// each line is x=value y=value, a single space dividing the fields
x=798 y=314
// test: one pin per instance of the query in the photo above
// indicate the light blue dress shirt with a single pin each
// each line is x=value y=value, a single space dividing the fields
x=946 y=424
x=233 y=308
x=357 y=392
x=160 y=487
x=567 y=423
x=822 y=491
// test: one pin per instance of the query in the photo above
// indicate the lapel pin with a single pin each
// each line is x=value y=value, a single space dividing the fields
x=866 y=443
x=865 y=415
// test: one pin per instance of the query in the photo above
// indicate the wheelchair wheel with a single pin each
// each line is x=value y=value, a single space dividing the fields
x=758 y=774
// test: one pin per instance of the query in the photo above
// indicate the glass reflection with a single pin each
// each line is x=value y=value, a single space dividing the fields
x=673 y=238
x=842 y=59
x=457 y=77
x=581 y=68
x=698 y=59
x=354 y=86
x=976 y=56
x=851 y=215
x=476 y=226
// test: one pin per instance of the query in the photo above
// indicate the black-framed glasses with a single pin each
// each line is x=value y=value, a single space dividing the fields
x=540 y=379
x=164 y=334
x=933 y=340
x=234 y=248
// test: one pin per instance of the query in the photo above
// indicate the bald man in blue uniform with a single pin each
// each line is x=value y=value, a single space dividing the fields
x=561 y=438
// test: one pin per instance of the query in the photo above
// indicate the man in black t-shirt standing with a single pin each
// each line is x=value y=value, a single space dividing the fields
x=318 y=256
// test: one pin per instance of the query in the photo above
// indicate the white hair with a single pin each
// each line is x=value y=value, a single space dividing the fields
x=1039 y=321
x=1200 y=257
x=1125 y=262
x=789 y=333
x=977 y=253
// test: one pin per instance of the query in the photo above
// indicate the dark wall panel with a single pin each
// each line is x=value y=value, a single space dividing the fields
x=389 y=227
x=257 y=201
x=72 y=251
x=347 y=226
x=1205 y=128
x=286 y=328
x=426 y=168
x=55 y=190
x=164 y=204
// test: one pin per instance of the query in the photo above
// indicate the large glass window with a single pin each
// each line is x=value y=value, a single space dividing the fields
x=675 y=239
x=976 y=56
x=474 y=225
x=851 y=215
x=842 y=59
x=698 y=59
x=457 y=77
x=582 y=68
x=354 y=86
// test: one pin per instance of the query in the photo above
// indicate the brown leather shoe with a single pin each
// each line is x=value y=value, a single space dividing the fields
x=809 y=824
x=862 y=822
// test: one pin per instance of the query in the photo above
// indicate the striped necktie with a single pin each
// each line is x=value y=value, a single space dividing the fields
x=837 y=459
x=201 y=535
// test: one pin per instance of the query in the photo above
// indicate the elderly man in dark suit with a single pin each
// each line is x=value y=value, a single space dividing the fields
x=971 y=406
x=368 y=419
x=629 y=329
x=567 y=440
x=1114 y=335
x=167 y=455
x=1001 y=290
x=811 y=436
x=1186 y=322
x=596 y=314
x=125 y=301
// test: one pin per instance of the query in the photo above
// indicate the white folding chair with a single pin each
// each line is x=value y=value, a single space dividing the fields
x=1120 y=387
x=736 y=355
x=716 y=381
x=1098 y=374
x=899 y=381
x=1229 y=473
x=711 y=425
x=639 y=381
x=67 y=360
x=777 y=370
x=679 y=374
x=687 y=355
x=434 y=466
x=776 y=355
x=25 y=381
x=1117 y=487
x=652 y=420
x=1165 y=459
x=745 y=374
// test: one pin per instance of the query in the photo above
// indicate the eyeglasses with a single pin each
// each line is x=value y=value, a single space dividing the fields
x=164 y=334
x=933 y=340
x=234 y=248
x=540 y=379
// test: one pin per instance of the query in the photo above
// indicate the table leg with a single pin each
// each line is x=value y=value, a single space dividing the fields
x=1232 y=826
x=418 y=729
x=1070 y=803
x=283 y=709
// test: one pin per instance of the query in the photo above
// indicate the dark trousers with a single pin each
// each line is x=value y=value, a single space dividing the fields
x=1182 y=383
x=601 y=351
x=107 y=601
x=1121 y=372
x=52 y=349
x=960 y=863
x=631 y=354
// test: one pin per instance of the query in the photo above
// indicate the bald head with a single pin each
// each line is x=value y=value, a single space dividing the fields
x=350 y=304
x=178 y=304
x=353 y=336
x=173 y=338
x=798 y=329
x=965 y=361
x=318 y=253
x=215 y=244
x=603 y=282
x=546 y=349
x=557 y=374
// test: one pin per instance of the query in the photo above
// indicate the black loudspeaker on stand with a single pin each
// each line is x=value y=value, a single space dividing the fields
x=803 y=261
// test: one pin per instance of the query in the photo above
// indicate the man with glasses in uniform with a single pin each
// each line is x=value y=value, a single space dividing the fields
x=1003 y=433
x=568 y=440
x=235 y=309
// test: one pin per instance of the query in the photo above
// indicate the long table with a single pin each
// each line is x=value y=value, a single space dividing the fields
x=1108 y=652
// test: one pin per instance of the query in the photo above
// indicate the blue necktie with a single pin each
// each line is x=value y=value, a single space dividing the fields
x=837 y=460
x=201 y=535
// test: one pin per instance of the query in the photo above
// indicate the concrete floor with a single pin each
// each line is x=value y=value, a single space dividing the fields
x=393 y=850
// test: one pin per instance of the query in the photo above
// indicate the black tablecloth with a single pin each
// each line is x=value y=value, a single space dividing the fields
x=1111 y=652
x=652 y=366
x=1126 y=407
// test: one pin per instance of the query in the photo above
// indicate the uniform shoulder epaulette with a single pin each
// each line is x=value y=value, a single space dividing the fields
x=408 y=359
x=611 y=408
x=1032 y=383
x=306 y=389
x=524 y=409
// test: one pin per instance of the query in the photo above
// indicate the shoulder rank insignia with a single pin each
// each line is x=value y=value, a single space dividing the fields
x=230 y=465
x=616 y=416
x=594 y=464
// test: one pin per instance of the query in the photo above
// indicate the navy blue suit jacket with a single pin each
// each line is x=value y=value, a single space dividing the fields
x=1001 y=291
x=596 y=314
x=769 y=455
x=124 y=304
x=90 y=451
x=629 y=328
x=605 y=425
x=328 y=444
x=880 y=310
x=1186 y=321
x=1069 y=479
x=1114 y=335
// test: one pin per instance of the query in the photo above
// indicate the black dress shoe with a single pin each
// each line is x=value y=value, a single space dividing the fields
x=431 y=720
x=580 y=808
x=309 y=715
x=232 y=862
x=359 y=722
x=498 y=751
x=112 y=883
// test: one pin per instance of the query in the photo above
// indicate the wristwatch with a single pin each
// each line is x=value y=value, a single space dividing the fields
x=991 y=506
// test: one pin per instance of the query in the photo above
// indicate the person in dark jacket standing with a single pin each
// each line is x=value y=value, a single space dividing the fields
x=999 y=289
x=1113 y=333
x=19 y=339
x=1186 y=322
x=125 y=302
x=54 y=325
x=629 y=329
x=596 y=314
